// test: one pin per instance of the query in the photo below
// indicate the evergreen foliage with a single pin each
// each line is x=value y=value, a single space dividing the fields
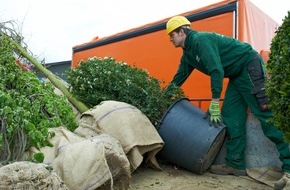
x=278 y=85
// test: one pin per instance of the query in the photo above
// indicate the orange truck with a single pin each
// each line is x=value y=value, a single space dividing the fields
x=149 y=48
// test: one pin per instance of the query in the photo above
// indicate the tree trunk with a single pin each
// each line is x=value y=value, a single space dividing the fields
x=81 y=107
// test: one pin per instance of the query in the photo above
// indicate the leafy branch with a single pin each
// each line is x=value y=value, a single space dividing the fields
x=28 y=107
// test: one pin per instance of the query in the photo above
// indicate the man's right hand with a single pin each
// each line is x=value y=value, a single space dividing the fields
x=213 y=114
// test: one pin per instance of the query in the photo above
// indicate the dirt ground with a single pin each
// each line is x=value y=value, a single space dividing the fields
x=173 y=178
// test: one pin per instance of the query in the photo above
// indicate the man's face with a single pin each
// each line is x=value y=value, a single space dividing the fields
x=177 y=38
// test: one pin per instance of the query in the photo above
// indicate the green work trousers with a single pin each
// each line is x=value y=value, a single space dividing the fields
x=238 y=99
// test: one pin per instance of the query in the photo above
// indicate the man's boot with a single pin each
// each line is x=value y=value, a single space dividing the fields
x=226 y=170
x=285 y=180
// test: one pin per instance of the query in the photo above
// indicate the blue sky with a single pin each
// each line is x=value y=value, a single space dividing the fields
x=51 y=28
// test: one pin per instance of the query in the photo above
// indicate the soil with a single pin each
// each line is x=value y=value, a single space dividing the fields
x=173 y=178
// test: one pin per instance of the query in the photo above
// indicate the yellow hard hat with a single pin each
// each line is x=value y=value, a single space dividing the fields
x=175 y=22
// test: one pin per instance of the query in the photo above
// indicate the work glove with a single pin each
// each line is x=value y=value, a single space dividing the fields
x=213 y=114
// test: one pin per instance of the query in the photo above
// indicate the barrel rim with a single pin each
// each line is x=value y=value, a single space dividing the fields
x=167 y=111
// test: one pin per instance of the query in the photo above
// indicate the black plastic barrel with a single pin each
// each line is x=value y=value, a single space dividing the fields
x=189 y=141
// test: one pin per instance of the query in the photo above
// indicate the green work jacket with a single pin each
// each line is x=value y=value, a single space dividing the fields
x=215 y=55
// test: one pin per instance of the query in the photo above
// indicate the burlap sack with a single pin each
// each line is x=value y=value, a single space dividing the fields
x=29 y=176
x=62 y=137
x=117 y=161
x=94 y=163
x=129 y=126
x=267 y=175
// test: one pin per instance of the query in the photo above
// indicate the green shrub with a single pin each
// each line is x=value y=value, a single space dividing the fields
x=28 y=108
x=278 y=86
x=97 y=80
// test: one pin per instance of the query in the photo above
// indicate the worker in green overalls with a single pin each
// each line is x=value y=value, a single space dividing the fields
x=222 y=57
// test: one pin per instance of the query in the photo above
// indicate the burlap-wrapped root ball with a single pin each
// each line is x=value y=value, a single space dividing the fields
x=28 y=175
